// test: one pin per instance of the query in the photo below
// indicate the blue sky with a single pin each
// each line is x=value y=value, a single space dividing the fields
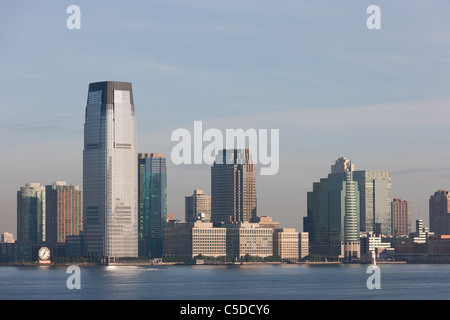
x=311 y=69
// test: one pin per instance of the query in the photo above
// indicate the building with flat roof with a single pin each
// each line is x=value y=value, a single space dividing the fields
x=303 y=244
x=64 y=213
x=400 y=218
x=190 y=239
x=197 y=207
x=439 y=212
x=267 y=222
x=7 y=237
x=31 y=214
x=152 y=203
x=375 y=200
x=286 y=244
x=247 y=238
x=422 y=233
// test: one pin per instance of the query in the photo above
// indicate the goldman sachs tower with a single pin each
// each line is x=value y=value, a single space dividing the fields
x=110 y=172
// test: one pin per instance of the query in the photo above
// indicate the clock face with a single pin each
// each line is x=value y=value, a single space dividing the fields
x=44 y=253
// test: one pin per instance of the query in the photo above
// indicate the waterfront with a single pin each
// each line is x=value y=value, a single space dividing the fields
x=228 y=282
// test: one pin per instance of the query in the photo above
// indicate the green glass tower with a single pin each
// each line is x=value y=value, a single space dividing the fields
x=333 y=213
x=31 y=214
x=152 y=203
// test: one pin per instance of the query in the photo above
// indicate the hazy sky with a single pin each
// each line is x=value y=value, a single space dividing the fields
x=311 y=69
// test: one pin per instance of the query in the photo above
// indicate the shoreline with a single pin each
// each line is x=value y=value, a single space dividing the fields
x=164 y=264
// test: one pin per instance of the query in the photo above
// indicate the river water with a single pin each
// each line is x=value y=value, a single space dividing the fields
x=235 y=282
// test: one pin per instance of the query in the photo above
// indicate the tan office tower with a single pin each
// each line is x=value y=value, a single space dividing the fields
x=64 y=214
x=233 y=187
x=286 y=243
x=399 y=209
x=197 y=207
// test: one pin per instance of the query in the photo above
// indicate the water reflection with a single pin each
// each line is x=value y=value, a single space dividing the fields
x=227 y=282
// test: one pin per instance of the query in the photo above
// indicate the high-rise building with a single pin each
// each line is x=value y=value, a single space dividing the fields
x=399 y=220
x=64 y=214
x=332 y=220
x=375 y=199
x=110 y=172
x=233 y=187
x=197 y=207
x=440 y=212
x=31 y=214
x=152 y=199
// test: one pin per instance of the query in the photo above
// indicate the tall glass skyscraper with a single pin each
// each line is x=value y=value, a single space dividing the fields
x=109 y=172
x=31 y=213
x=333 y=209
x=375 y=198
x=152 y=181
x=233 y=187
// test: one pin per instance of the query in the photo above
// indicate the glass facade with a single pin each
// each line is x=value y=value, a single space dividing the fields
x=439 y=212
x=31 y=213
x=375 y=198
x=152 y=199
x=333 y=213
x=110 y=172
x=233 y=187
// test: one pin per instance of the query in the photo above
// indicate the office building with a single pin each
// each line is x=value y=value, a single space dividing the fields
x=267 y=222
x=333 y=211
x=303 y=244
x=245 y=238
x=152 y=199
x=17 y=252
x=64 y=214
x=194 y=238
x=7 y=237
x=286 y=244
x=110 y=213
x=422 y=233
x=375 y=200
x=372 y=243
x=439 y=212
x=31 y=214
x=233 y=187
x=197 y=207
x=399 y=219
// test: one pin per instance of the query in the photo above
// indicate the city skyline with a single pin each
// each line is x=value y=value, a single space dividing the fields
x=295 y=66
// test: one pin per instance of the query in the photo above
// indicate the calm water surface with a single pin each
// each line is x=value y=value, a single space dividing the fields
x=240 y=282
